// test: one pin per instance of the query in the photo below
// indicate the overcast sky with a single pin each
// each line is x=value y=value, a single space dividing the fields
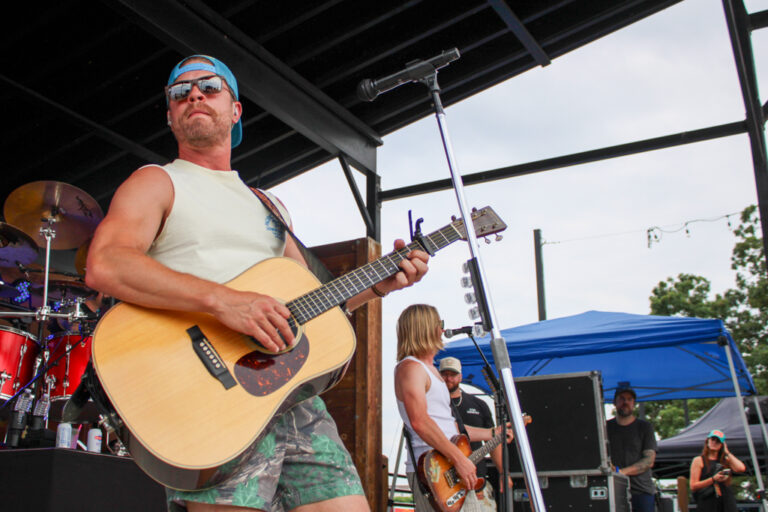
x=669 y=73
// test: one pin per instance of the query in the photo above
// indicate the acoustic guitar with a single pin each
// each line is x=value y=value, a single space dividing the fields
x=446 y=491
x=189 y=397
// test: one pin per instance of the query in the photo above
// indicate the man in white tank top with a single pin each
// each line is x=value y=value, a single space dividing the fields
x=423 y=401
x=153 y=248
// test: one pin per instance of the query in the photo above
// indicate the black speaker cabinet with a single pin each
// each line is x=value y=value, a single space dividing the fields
x=61 y=480
x=577 y=493
x=568 y=432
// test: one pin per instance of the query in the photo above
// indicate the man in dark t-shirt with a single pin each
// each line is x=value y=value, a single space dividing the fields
x=633 y=449
x=474 y=413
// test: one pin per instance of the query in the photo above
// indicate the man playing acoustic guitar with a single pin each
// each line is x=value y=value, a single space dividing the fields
x=423 y=401
x=174 y=234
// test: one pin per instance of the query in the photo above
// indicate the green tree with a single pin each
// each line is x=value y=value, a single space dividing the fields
x=743 y=309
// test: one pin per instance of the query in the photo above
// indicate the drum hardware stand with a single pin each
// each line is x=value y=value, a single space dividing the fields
x=40 y=416
x=19 y=418
x=120 y=450
x=425 y=72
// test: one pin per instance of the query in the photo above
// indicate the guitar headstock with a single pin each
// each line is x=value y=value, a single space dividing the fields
x=485 y=221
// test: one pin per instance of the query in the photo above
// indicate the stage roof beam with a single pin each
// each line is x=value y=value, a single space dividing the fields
x=195 y=28
x=517 y=27
x=595 y=155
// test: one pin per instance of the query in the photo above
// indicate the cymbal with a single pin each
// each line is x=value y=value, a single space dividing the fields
x=16 y=247
x=61 y=290
x=35 y=274
x=76 y=214
x=81 y=257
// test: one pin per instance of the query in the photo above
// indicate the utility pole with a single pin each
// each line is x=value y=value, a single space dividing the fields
x=539 y=274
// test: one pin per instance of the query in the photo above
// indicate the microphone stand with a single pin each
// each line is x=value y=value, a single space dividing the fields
x=502 y=416
x=498 y=346
x=425 y=72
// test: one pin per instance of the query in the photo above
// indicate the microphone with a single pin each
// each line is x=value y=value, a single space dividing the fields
x=368 y=90
x=450 y=333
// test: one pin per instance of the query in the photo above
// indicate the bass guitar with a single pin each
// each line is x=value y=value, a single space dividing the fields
x=189 y=397
x=446 y=491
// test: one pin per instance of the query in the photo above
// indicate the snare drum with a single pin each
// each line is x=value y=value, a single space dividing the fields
x=69 y=355
x=18 y=350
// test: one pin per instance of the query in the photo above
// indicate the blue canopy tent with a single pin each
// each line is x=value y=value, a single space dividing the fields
x=663 y=358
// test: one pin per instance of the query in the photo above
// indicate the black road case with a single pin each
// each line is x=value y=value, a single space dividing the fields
x=567 y=432
x=569 y=443
x=594 y=493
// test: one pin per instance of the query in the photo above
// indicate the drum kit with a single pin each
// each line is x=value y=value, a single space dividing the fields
x=50 y=314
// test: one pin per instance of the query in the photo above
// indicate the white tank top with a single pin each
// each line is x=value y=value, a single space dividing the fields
x=438 y=408
x=217 y=227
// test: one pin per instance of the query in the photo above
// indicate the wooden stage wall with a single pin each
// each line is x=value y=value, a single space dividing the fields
x=355 y=403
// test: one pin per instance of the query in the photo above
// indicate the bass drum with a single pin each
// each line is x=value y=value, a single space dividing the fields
x=18 y=350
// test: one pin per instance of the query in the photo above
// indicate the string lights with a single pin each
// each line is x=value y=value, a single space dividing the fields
x=654 y=234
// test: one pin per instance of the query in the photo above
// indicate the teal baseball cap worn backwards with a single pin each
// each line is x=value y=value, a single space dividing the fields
x=217 y=68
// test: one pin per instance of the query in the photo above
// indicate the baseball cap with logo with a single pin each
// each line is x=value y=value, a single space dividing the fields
x=451 y=364
x=217 y=68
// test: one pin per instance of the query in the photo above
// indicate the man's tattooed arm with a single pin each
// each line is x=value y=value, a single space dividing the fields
x=642 y=465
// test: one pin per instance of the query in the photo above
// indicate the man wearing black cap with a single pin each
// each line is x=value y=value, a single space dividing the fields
x=173 y=235
x=633 y=449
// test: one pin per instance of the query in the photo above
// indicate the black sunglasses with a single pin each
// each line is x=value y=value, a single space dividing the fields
x=206 y=84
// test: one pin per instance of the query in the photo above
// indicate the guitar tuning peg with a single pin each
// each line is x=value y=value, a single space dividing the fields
x=499 y=238
x=474 y=209
x=453 y=218
x=487 y=240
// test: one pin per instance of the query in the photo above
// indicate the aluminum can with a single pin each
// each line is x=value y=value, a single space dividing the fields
x=63 y=435
x=94 y=440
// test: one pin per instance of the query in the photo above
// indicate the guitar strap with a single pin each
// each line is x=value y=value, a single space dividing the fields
x=313 y=262
x=422 y=487
x=457 y=417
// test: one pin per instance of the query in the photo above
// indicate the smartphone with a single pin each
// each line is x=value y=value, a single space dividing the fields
x=726 y=472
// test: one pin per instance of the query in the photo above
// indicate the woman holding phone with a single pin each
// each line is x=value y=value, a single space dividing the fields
x=711 y=475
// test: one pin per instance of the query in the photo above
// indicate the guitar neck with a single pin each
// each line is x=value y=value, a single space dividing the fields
x=341 y=289
x=477 y=455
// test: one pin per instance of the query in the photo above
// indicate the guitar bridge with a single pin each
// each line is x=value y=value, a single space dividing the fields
x=210 y=358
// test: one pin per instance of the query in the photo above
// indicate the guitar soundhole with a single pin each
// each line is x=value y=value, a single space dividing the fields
x=261 y=374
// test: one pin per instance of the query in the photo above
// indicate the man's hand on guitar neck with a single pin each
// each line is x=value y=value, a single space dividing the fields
x=412 y=269
x=510 y=432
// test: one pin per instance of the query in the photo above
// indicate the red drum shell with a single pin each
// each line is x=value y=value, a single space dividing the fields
x=68 y=370
x=18 y=350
